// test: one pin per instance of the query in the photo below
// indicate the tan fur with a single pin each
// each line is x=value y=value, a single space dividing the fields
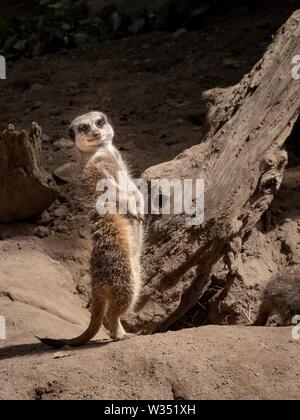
x=117 y=242
x=281 y=297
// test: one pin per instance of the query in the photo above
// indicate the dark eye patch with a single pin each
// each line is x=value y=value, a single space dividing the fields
x=84 y=128
x=100 y=122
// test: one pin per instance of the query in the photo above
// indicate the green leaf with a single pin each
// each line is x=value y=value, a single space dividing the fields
x=20 y=45
x=137 y=25
x=81 y=38
x=116 y=21
x=66 y=26
x=57 y=6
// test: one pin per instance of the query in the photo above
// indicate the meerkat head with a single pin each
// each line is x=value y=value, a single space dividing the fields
x=91 y=131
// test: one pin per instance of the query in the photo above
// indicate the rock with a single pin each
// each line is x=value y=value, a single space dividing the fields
x=45 y=138
x=61 y=229
x=45 y=218
x=63 y=144
x=68 y=172
x=60 y=212
x=36 y=87
x=81 y=289
x=26 y=188
x=41 y=232
x=61 y=355
x=43 y=289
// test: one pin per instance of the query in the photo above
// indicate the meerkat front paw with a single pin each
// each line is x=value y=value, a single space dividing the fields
x=136 y=204
x=133 y=211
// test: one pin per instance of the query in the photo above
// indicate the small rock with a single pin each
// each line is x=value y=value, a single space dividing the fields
x=60 y=212
x=36 y=87
x=80 y=289
x=45 y=218
x=180 y=32
x=63 y=144
x=41 y=232
x=61 y=229
x=61 y=355
x=50 y=160
x=45 y=138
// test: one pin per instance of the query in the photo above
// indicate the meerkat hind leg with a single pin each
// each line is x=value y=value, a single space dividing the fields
x=113 y=321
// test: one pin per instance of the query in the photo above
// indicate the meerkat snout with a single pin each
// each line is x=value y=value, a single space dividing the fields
x=97 y=134
x=91 y=131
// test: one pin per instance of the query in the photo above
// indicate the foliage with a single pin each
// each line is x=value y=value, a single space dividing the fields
x=189 y=13
x=52 y=24
x=55 y=24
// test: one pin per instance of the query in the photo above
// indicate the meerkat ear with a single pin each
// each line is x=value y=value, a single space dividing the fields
x=71 y=134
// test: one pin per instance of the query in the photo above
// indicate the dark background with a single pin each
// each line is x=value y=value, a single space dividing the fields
x=41 y=26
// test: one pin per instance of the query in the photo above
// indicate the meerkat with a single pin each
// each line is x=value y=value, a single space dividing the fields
x=117 y=239
x=281 y=296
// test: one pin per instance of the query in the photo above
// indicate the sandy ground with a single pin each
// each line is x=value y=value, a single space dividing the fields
x=202 y=363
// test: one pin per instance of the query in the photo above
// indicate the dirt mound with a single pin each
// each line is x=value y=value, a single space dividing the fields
x=203 y=363
x=38 y=296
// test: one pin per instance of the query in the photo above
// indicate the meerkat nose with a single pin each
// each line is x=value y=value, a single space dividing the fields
x=97 y=134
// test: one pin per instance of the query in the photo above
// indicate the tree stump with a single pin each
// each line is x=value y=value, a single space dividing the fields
x=26 y=189
x=242 y=161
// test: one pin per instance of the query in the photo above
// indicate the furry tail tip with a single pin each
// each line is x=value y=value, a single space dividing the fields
x=55 y=344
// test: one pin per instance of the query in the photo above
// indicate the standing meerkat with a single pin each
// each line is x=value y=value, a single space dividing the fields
x=117 y=238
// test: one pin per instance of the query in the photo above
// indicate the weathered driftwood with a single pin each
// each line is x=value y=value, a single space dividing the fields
x=242 y=161
x=26 y=189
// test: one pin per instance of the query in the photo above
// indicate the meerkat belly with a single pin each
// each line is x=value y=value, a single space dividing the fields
x=136 y=234
x=111 y=259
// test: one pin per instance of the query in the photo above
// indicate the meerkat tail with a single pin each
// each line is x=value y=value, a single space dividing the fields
x=97 y=316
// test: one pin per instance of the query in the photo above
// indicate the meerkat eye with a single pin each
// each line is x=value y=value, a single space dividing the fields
x=100 y=123
x=84 y=128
